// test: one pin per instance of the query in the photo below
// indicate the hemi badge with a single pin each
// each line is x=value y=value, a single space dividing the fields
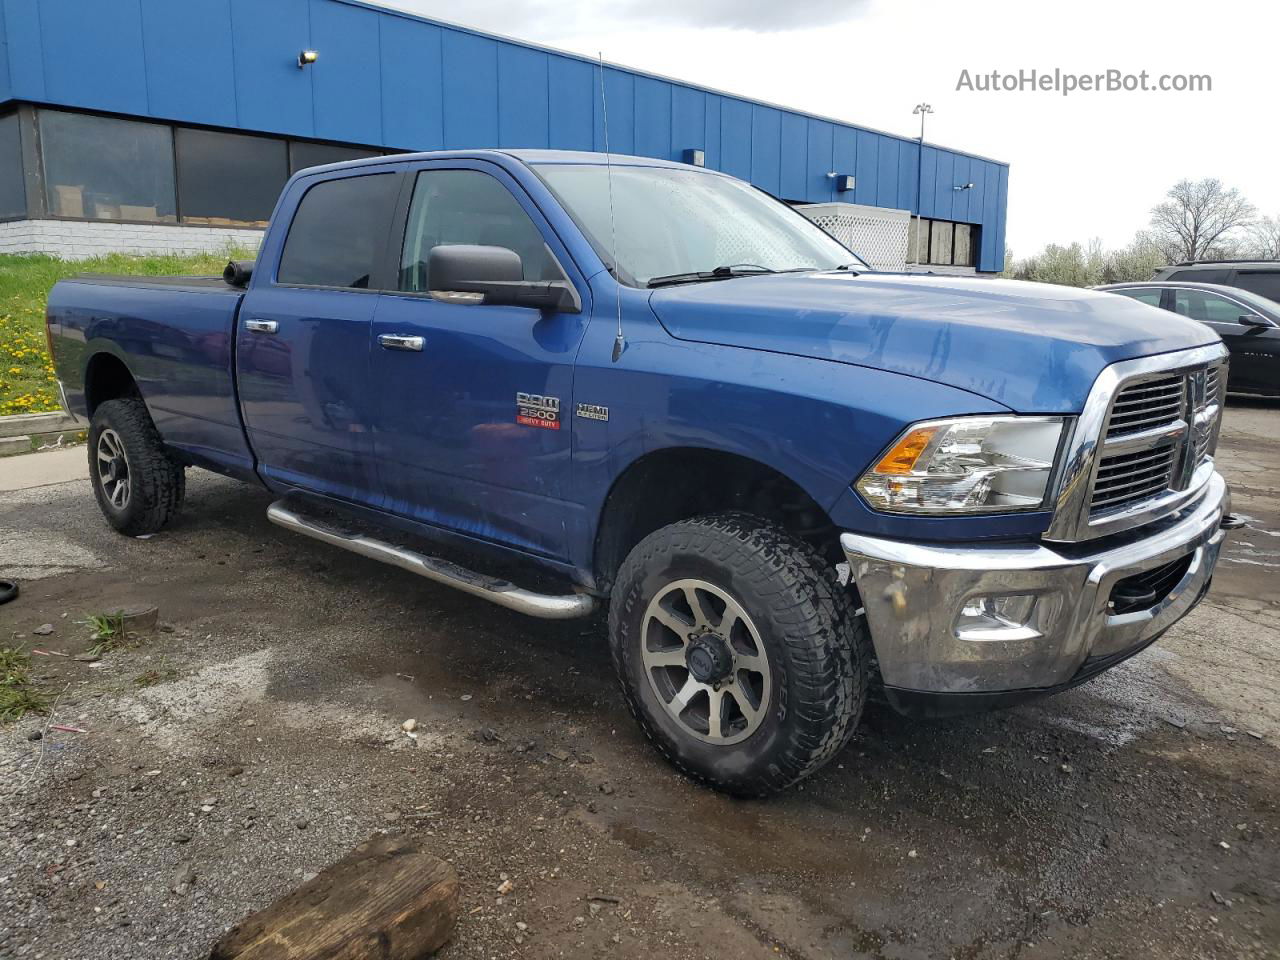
x=593 y=411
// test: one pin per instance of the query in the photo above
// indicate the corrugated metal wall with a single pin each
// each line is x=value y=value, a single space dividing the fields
x=392 y=80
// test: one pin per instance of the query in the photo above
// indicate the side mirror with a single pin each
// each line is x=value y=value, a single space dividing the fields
x=469 y=273
x=1254 y=320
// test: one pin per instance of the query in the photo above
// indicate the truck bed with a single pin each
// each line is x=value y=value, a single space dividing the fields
x=176 y=335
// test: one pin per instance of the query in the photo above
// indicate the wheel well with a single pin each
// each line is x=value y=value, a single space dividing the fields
x=672 y=485
x=107 y=378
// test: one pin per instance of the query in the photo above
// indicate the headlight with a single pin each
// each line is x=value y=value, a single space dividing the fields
x=966 y=465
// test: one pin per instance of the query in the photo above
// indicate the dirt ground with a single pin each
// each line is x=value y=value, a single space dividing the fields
x=258 y=738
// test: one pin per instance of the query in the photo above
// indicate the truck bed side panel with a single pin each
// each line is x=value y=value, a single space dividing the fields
x=176 y=338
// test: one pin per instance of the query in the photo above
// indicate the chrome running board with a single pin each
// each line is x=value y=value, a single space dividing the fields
x=504 y=594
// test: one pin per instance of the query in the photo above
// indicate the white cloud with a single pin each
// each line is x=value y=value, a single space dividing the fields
x=1081 y=166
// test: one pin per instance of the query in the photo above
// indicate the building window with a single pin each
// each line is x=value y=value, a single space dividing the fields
x=229 y=179
x=942 y=243
x=13 y=191
x=99 y=168
x=303 y=154
x=339 y=233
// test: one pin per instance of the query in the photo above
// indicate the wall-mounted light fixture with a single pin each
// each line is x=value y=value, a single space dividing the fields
x=963 y=186
x=695 y=157
x=307 y=57
x=844 y=182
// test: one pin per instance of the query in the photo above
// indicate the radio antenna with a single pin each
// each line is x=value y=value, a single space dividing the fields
x=619 y=341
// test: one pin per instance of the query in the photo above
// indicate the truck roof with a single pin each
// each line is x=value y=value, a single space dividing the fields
x=529 y=157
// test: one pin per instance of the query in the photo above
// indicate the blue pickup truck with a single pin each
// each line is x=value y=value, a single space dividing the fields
x=792 y=478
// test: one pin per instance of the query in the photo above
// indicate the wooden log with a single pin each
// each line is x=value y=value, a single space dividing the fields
x=386 y=899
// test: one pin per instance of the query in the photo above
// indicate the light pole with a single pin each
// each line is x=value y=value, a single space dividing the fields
x=924 y=110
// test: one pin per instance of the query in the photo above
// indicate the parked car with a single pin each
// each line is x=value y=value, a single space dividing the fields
x=1248 y=324
x=788 y=475
x=1257 y=276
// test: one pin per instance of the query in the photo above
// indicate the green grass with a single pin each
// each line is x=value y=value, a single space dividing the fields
x=27 y=383
x=17 y=696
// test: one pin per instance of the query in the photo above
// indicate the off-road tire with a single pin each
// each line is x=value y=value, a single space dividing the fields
x=818 y=647
x=158 y=480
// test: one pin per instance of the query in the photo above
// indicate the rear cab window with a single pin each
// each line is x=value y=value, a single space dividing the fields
x=339 y=233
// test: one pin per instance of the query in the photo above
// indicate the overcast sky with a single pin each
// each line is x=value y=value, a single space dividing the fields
x=1082 y=166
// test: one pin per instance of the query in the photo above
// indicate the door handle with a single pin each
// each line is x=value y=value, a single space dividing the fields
x=397 y=341
x=261 y=326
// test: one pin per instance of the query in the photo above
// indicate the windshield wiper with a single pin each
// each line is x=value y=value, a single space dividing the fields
x=719 y=273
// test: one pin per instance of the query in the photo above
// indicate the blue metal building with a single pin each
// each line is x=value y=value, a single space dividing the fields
x=204 y=73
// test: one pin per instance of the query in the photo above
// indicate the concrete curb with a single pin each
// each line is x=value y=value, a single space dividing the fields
x=29 y=432
x=35 y=424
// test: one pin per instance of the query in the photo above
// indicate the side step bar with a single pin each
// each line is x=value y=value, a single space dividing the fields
x=504 y=594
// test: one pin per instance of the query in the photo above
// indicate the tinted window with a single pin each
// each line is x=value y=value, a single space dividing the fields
x=227 y=179
x=466 y=206
x=303 y=155
x=1200 y=276
x=340 y=232
x=107 y=169
x=940 y=236
x=13 y=192
x=964 y=245
x=1262 y=282
x=1146 y=296
x=1207 y=307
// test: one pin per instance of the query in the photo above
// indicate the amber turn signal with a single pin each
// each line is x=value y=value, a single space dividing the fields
x=901 y=459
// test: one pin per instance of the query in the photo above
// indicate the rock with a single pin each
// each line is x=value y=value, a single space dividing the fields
x=606 y=788
x=579 y=921
x=586 y=758
x=594 y=908
x=184 y=879
x=43 y=630
x=409 y=725
x=301 y=824
x=182 y=838
x=521 y=926
x=235 y=771
x=505 y=887
x=911 y=854
x=1067 y=768
x=391 y=816
x=465 y=697
x=35 y=735
x=558 y=755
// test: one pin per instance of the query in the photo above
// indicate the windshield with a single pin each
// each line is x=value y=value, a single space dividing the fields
x=671 y=222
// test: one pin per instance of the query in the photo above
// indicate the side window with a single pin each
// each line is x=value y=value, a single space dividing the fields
x=1200 y=276
x=1221 y=310
x=1146 y=296
x=340 y=232
x=1206 y=307
x=467 y=206
x=1265 y=283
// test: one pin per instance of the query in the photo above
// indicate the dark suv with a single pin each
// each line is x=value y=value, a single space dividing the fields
x=1257 y=276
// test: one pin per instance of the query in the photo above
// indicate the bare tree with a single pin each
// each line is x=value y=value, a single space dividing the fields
x=1264 y=238
x=1197 y=218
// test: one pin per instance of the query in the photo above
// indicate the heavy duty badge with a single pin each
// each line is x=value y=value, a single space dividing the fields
x=535 y=410
x=593 y=411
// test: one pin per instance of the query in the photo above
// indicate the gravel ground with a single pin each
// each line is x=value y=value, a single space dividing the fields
x=257 y=737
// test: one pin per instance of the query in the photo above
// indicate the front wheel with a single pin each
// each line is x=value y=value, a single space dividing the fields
x=739 y=654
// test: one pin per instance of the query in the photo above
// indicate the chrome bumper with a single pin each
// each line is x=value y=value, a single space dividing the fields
x=914 y=594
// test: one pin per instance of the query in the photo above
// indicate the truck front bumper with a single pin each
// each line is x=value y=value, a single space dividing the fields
x=957 y=627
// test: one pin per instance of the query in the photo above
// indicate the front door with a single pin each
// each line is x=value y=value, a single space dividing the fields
x=1255 y=351
x=302 y=349
x=471 y=398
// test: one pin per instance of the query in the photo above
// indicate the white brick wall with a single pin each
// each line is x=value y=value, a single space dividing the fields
x=80 y=240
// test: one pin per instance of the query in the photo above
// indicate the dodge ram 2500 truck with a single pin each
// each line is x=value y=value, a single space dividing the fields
x=789 y=476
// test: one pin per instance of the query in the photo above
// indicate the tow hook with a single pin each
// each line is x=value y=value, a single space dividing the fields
x=1232 y=521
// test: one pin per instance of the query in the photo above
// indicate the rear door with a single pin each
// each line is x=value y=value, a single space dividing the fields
x=471 y=398
x=302 y=347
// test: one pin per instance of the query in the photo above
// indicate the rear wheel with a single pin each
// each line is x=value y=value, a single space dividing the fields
x=739 y=654
x=138 y=485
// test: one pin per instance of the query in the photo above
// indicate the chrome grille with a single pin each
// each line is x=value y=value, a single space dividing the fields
x=1147 y=405
x=1132 y=477
x=1159 y=430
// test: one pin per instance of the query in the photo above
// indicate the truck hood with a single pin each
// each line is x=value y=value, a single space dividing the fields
x=1034 y=347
